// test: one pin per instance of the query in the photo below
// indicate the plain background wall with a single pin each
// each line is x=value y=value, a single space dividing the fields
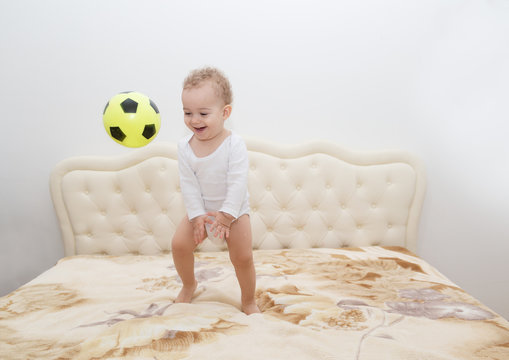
x=431 y=77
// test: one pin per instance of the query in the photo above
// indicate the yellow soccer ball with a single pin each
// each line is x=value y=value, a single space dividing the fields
x=131 y=119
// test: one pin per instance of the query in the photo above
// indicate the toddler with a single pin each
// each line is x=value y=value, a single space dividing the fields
x=213 y=168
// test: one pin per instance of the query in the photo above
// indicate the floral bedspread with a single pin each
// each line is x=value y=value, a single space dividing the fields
x=362 y=303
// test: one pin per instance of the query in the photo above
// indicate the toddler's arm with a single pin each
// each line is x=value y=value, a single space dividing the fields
x=238 y=169
x=189 y=186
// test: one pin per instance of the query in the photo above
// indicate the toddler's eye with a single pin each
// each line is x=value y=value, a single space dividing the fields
x=203 y=114
x=187 y=113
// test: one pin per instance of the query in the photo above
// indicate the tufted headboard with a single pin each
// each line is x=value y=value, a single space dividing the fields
x=310 y=195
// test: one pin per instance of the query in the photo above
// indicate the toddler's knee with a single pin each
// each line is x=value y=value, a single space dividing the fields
x=241 y=260
x=178 y=245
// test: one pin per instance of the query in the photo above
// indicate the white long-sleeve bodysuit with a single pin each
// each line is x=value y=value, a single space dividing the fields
x=217 y=182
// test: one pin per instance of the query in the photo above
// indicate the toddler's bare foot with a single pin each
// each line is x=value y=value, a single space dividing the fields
x=186 y=294
x=250 y=308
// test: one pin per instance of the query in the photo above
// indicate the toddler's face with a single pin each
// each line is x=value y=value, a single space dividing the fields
x=204 y=111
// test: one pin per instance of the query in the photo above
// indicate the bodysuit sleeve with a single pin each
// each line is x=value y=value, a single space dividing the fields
x=189 y=186
x=238 y=168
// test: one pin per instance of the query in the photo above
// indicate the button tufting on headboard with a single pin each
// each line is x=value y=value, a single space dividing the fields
x=306 y=196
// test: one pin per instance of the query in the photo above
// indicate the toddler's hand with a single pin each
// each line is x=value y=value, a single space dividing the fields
x=221 y=225
x=199 y=228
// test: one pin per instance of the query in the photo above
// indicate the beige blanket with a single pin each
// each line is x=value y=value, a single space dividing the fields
x=365 y=303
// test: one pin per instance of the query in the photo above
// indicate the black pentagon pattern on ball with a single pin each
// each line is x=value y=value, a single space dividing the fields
x=117 y=133
x=153 y=104
x=149 y=131
x=129 y=106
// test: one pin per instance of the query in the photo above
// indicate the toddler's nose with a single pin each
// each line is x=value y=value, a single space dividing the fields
x=195 y=120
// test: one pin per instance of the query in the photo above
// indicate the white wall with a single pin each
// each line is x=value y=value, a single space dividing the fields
x=427 y=76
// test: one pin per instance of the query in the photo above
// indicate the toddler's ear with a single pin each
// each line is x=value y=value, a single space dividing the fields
x=227 y=112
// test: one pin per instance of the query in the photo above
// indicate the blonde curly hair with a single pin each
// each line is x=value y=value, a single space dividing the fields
x=221 y=83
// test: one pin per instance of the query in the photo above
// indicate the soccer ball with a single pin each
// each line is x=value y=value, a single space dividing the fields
x=131 y=119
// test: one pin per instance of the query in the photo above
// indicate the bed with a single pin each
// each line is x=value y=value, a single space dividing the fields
x=334 y=239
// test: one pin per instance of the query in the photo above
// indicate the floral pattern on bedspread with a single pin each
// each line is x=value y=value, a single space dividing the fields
x=362 y=303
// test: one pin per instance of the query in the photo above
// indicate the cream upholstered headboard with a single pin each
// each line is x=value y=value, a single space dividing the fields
x=310 y=195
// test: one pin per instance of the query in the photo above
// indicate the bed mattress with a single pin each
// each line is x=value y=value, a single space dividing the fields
x=354 y=303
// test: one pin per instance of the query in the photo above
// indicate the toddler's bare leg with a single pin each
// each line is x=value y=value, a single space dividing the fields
x=182 y=247
x=241 y=255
